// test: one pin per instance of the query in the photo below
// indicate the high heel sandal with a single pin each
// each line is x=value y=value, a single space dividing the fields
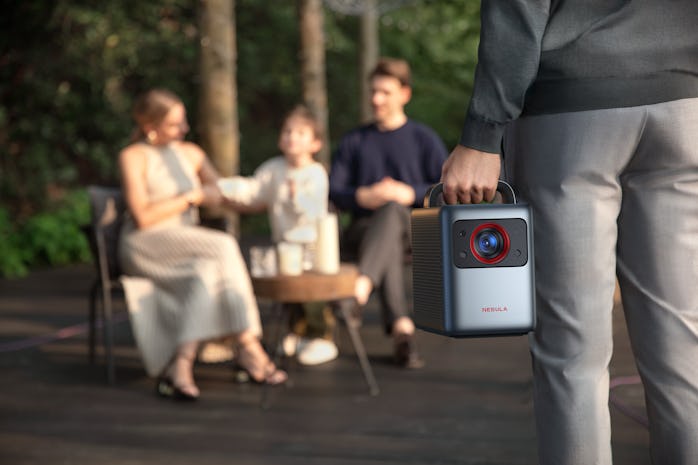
x=165 y=387
x=245 y=371
x=273 y=376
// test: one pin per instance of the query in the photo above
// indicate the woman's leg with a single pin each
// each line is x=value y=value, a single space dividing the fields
x=181 y=370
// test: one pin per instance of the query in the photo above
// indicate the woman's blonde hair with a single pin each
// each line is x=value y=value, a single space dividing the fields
x=150 y=109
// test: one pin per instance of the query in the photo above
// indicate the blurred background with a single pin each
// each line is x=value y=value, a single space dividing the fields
x=70 y=70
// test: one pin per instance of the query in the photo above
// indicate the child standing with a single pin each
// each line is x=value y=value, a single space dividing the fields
x=293 y=189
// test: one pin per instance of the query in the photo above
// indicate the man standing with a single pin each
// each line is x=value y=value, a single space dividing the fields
x=594 y=104
x=378 y=173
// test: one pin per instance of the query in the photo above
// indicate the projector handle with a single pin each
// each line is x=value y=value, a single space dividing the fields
x=434 y=196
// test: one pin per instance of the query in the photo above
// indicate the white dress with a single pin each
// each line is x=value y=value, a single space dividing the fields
x=197 y=284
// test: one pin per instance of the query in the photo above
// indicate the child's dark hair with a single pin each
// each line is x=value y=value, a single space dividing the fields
x=306 y=114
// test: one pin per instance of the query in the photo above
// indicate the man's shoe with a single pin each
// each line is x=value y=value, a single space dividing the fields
x=406 y=355
x=317 y=351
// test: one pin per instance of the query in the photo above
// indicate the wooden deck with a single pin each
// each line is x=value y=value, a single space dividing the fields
x=471 y=404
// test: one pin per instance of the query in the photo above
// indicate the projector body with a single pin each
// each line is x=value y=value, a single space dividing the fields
x=473 y=269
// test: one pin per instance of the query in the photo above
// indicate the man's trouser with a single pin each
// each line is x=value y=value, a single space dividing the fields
x=380 y=242
x=613 y=192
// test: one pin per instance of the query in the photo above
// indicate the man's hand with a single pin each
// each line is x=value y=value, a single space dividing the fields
x=386 y=190
x=470 y=176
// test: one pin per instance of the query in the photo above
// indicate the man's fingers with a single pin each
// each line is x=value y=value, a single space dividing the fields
x=449 y=194
x=475 y=196
x=464 y=195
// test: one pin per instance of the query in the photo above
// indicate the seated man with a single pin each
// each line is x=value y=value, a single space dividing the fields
x=379 y=171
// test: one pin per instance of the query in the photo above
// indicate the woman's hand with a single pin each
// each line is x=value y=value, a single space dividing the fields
x=210 y=195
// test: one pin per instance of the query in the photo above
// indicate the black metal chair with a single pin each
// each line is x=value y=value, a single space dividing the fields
x=107 y=212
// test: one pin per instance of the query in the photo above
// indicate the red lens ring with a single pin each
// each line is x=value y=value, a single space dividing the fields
x=505 y=247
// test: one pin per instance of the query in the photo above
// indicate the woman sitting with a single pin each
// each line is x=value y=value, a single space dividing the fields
x=201 y=287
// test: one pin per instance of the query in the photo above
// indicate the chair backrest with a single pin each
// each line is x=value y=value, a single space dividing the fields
x=107 y=209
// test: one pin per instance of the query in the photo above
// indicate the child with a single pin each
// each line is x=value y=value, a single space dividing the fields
x=293 y=189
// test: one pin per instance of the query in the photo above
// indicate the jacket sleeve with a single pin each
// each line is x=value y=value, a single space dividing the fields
x=508 y=56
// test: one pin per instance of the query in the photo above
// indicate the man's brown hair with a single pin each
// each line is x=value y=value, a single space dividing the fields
x=393 y=67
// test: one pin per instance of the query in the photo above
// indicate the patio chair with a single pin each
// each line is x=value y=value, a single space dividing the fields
x=107 y=211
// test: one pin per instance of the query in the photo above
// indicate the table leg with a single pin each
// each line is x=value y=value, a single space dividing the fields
x=281 y=318
x=360 y=350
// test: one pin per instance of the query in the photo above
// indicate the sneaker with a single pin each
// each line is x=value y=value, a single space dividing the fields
x=291 y=343
x=317 y=351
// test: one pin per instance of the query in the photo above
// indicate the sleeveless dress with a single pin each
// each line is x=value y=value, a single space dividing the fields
x=196 y=284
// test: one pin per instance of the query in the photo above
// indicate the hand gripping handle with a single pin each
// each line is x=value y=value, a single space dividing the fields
x=434 y=196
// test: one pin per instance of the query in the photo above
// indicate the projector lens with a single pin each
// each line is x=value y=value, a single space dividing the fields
x=489 y=243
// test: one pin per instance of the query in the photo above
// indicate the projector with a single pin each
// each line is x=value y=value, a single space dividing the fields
x=472 y=269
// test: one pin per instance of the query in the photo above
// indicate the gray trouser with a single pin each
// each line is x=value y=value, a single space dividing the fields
x=380 y=241
x=613 y=192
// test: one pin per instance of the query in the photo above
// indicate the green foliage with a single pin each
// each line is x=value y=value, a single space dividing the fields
x=70 y=70
x=268 y=75
x=50 y=238
x=341 y=34
x=13 y=257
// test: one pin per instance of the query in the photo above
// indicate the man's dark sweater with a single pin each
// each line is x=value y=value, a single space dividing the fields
x=412 y=154
x=575 y=55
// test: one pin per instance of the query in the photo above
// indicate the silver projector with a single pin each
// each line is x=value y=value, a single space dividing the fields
x=473 y=271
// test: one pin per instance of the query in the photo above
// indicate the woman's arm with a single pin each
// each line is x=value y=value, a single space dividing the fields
x=145 y=212
x=207 y=173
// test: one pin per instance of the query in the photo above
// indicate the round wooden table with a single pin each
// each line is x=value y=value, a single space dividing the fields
x=313 y=287
x=307 y=287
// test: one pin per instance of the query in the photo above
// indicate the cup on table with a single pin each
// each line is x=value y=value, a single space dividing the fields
x=290 y=257
x=263 y=261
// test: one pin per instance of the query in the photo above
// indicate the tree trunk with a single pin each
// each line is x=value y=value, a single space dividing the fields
x=218 y=119
x=368 y=55
x=312 y=57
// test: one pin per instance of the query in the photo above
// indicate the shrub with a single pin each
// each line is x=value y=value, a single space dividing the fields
x=51 y=238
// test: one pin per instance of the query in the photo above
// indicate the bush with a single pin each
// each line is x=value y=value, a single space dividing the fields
x=50 y=238
x=12 y=256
